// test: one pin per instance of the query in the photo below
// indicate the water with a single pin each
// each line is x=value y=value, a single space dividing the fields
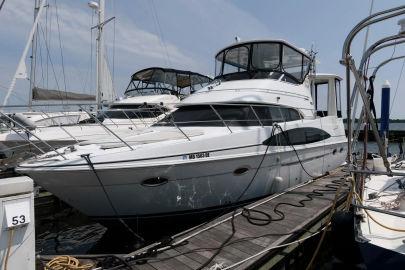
x=61 y=229
x=372 y=147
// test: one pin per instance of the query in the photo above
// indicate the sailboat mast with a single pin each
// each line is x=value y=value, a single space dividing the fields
x=21 y=71
x=33 y=57
x=100 y=52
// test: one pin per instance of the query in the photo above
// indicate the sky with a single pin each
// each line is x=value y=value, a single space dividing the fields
x=185 y=34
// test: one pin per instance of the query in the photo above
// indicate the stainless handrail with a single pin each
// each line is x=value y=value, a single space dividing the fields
x=27 y=130
x=133 y=123
x=25 y=139
x=60 y=126
x=215 y=111
x=254 y=112
x=172 y=121
x=113 y=133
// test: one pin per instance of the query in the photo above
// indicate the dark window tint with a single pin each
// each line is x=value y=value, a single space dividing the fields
x=297 y=136
x=290 y=114
x=231 y=115
x=200 y=115
x=132 y=111
x=135 y=114
x=237 y=115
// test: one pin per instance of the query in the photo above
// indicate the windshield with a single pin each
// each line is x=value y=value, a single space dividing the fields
x=155 y=81
x=132 y=111
x=261 y=60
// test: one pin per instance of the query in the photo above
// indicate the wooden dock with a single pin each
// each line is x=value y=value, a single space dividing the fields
x=250 y=246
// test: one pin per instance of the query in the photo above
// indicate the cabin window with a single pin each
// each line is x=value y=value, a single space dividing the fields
x=266 y=56
x=197 y=115
x=297 y=136
x=292 y=63
x=236 y=60
x=232 y=115
x=237 y=115
x=290 y=114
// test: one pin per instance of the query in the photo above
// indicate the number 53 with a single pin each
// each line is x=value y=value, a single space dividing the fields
x=18 y=220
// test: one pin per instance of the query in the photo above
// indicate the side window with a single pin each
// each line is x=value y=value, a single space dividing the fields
x=276 y=114
x=290 y=114
x=297 y=136
x=201 y=115
x=292 y=62
x=264 y=113
x=237 y=115
x=294 y=115
x=236 y=60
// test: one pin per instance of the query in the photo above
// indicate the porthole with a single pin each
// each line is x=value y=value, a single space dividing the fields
x=240 y=171
x=334 y=151
x=154 y=181
x=341 y=150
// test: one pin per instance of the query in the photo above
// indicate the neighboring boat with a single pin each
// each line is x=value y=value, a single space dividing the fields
x=151 y=94
x=382 y=226
x=225 y=145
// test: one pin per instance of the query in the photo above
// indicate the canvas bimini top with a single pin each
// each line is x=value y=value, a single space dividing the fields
x=261 y=59
x=157 y=80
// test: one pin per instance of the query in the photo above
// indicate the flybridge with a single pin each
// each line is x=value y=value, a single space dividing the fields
x=272 y=59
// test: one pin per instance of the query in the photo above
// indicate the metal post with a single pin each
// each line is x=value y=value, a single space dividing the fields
x=368 y=114
x=385 y=113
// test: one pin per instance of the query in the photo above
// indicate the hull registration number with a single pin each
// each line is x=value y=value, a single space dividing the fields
x=199 y=155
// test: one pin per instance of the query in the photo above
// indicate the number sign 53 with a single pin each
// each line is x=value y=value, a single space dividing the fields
x=17 y=212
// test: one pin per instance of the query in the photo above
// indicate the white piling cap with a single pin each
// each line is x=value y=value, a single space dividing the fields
x=386 y=84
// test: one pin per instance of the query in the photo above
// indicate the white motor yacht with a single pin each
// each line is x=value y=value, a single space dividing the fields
x=253 y=131
x=151 y=94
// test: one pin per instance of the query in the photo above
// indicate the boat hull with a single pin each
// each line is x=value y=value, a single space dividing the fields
x=191 y=186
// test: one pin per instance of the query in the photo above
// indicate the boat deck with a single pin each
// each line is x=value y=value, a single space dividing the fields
x=297 y=214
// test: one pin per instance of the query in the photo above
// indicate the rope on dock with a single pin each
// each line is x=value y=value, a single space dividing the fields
x=67 y=263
